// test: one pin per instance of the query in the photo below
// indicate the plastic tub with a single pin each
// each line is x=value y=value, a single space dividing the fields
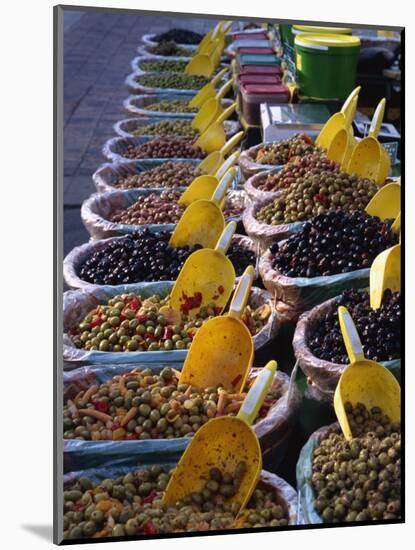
x=258 y=59
x=260 y=69
x=326 y=65
x=250 y=43
x=245 y=50
x=310 y=29
x=251 y=36
x=259 y=79
x=252 y=95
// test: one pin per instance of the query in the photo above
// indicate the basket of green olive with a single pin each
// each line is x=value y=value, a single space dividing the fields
x=124 y=323
x=146 y=174
x=274 y=155
x=153 y=83
x=126 y=501
x=164 y=105
x=352 y=481
x=128 y=211
x=153 y=126
x=144 y=64
x=119 y=410
x=319 y=346
x=309 y=195
x=253 y=191
x=330 y=253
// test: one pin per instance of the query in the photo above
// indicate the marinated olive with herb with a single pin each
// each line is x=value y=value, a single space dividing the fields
x=333 y=242
x=379 y=330
x=143 y=405
x=129 y=323
x=360 y=479
x=165 y=147
x=280 y=152
x=132 y=504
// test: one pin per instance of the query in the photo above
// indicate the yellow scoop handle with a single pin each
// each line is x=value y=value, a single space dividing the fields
x=386 y=203
x=214 y=136
x=348 y=104
x=229 y=162
x=241 y=296
x=207 y=91
x=222 y=350
x=222 y=187
x=363 y=381
x=223 y=442
x=385 y=272
x=225 y=239
x=377 y=119
x=256 y=395
x=226 y=114
x=396 y=226
x=212 y=162
x=224 y=89
x=210 y=108
x=350 y=336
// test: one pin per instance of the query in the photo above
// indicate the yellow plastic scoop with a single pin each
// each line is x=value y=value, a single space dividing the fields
x=363 y=381
x=214 y=137
x=206 y=277
x=229 y=162
x=369 y=159
x=385 y=272
x=396 y=226
x=203 y=222
x=212 y=163
x=211 y=109
x=223 y=443
x=204 y=64
x=336 y=122
x=208 y=90
x=222 y=350
x=202 y=187
x=386 y=203
x=343 y=142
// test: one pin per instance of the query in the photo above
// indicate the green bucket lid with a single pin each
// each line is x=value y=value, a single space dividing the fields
x=300 y=29
x=326 y=41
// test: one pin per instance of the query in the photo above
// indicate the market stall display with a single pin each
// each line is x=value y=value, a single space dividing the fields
x=170 y=413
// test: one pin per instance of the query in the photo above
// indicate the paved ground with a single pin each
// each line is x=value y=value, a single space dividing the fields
x=98 y=49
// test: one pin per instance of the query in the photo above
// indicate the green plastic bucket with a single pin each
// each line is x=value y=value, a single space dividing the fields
x=326 y=65
x=309 y=29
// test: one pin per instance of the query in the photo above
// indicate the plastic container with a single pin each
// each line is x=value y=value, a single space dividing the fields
x=258 y=59
x=252 y=95
x=260 y=69
x=251 y=36
x=259 y=79
x=264 y=51
x=326 y=65
x=250 y=43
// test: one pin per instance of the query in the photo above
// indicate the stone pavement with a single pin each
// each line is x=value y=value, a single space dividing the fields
x=98 y=49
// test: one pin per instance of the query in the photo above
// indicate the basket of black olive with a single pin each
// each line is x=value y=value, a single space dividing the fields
x=274 y=155
x=166 y=50
x=123 y=410
x=125 y=500
x=146 y=174
x=331 y=252
x=319 y=346
x=123 y=323
x=359 y=480
x=121 y=149
x=153 y=83
x=307 y=196
x=181 y=37
x=154 y=127
x=140 y=257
